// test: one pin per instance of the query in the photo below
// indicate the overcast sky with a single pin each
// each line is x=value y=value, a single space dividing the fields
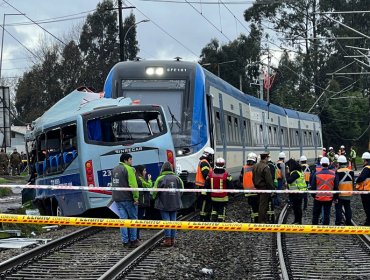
x=175 y=29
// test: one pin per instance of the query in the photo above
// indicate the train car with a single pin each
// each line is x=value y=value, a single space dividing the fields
x=79 y=140
x=204 y=110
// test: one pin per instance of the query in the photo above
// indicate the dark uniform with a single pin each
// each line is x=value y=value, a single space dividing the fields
x=4 y=161
x=262 y=180
x=345 y=178
x=363 y=184
x=203 y=169
x=15 y=162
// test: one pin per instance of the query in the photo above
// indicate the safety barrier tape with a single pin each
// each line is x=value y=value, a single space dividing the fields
x=204 y=226
x=69 y=187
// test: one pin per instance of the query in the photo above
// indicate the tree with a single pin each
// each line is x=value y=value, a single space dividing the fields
x=245 y=50
x=131 y=48
x=98 y=44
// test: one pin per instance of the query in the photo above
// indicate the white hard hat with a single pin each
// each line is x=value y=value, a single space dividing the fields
x=366 y=155
x=303 y=158
x=342 y=159
x=336 y=156
x=342 y=147
x=282 y=155
x=331 y=148
x=209 y=151
x=320 y=156
x=220 y=163
x=324 y=149
x=324 y=160
x=252 y=156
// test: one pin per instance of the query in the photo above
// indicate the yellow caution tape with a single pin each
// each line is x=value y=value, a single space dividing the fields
x=208 y=226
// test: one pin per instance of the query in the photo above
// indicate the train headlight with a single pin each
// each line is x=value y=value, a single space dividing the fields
x=183 y=151
x=159 y=71
x=150 y=71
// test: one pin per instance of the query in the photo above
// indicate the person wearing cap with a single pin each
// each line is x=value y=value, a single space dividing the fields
x=342 y=151
x=323 y=180
x=204 y=167
x=331 y=154
x=363 y=184
x=281 y=178
x=246 y=180
x=219 y=179
x=262 y=180
x=345 y=178
x=305 y=168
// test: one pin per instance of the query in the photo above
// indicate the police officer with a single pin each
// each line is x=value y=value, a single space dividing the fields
x=363 y=184
x=247 y=183
x=15 y=162
x=262 y=180
x=219 y=179
x=345 y=178
x=204 y=167
x=4 y=161
x=323 y=180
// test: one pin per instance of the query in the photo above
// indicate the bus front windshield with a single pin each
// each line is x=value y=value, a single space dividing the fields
x=170 y=94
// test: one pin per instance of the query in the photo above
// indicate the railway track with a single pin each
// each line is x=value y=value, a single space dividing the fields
x=322 y=256
x=89 y=253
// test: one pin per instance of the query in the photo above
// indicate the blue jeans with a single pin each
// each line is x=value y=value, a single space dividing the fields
x=276 y=198
x=169 y=216
x=127 y=210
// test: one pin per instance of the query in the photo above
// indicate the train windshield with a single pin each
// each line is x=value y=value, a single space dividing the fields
x=170 y=95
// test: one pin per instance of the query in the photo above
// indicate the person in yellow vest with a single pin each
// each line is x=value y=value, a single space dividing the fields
x=219 y=179
x=363 y=184
x=296 y=182
x=352 y=158
x=204 y=167
x=247 y=182
x=306 y=173
x=345 y=177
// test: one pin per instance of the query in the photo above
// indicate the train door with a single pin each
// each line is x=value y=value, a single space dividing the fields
x=211 y=122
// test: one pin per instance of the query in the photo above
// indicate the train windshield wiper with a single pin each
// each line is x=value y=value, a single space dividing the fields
x=173 y=119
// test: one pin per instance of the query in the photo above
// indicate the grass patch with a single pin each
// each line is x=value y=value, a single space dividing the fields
x=5 y=192
x=26 y=229
x=3 y=181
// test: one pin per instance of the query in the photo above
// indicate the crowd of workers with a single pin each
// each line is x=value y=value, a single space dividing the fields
x=11 y=163
x=332 y=172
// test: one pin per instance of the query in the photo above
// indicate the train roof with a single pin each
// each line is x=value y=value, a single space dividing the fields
x=74 y=104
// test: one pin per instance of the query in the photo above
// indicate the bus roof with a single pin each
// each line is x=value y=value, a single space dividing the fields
x=73 y=105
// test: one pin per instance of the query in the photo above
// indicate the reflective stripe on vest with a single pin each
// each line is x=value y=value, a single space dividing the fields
x=218 y=182
x=365 y=185
x=298 y=184
x=247 y=177
x=199 y=179
x=318 y=168
x=306 y=172
x=346 y=183
x=279 y=175
x=325 y=182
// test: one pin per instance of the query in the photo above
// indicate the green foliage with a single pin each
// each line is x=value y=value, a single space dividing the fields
x=131 y=48
x=5 y=192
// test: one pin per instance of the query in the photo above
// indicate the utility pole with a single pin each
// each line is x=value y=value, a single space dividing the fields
x=121 y=54
x=268 y=76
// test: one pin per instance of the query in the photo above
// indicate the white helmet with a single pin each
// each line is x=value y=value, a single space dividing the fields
x=303 y=158
x=282 y=155
x=331 y=148
x=324 y=160
x=208 y=151
x=252 y=156
x=366 y=156
x=336 y=156
x=342 y=159
x=324 y=149
x=320 y=156
x=342 y=147
x=220 y=163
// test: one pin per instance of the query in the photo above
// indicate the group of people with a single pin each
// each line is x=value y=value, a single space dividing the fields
x=14 y=161
x=133 y=204
x=333 y=156
x=299 y=176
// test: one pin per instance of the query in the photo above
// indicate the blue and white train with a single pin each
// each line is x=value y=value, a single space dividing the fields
x=203 y=110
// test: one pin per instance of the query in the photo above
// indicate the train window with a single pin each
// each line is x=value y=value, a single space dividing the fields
x=271 y=140
x=218 y=127
x=247 y=133
x=296 y=138
x=236 y=131
x=310 y=143
x=305 y=140
x=318 y=139
x=229 y=130
x=276 y=142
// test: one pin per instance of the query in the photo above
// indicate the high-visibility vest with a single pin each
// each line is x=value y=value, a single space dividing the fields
x=199 y=179
x=248 y=179
x=346 y=183
x=306 y=172
x=279 y=175
x=318 y=168
x=365 y=185
x=299 y=184
x=218 y=182
x=325 y=182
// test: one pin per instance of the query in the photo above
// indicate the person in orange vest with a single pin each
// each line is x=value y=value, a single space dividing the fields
x=219 y=179
x=323 y=180
x=246 y=181
x=363 y=184
x=306 y=173
x=204 y=167
x=345 y=178
x=281 y=178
